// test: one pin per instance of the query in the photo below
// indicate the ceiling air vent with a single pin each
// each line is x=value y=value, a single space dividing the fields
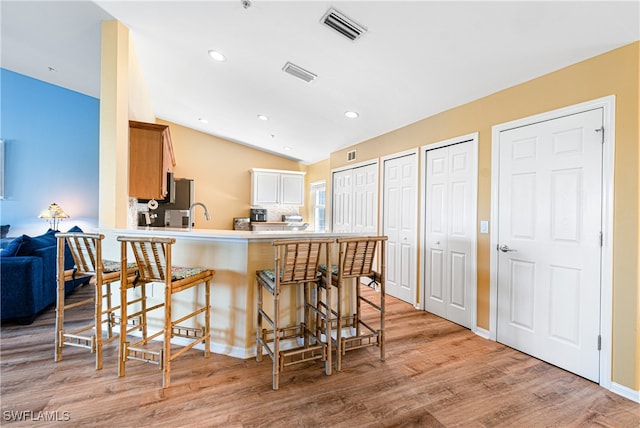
x=344 y=25
x=299 y=72
x=351 y=156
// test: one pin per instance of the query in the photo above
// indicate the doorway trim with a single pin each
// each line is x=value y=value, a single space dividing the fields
x=606 y=271
x=473 y=138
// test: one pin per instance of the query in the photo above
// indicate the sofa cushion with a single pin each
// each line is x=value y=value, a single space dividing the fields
x=4 y=230
x=12 y=248
x=74 y=229
x=31 y=244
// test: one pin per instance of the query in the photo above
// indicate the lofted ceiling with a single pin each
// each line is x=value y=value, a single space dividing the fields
x=415 y=59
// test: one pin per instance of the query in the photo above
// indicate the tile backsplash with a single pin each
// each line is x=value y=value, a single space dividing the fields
x=275 y=212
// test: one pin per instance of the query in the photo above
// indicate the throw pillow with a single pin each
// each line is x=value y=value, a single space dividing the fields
x=31 y=244
x=12 y=249
x=4 y=230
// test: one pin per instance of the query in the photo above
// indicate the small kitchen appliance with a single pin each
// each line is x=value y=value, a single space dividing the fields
x=241 y=223
x=258 y=214
x=176 y=218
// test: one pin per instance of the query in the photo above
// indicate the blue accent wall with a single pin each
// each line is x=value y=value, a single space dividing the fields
x=51 y=148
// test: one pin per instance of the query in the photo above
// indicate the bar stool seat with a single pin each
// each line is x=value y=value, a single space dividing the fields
x=153 y=257
x=356 y=261
x=295 y=265
x=86 y=251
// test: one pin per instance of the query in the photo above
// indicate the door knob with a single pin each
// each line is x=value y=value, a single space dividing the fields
x=505 y=248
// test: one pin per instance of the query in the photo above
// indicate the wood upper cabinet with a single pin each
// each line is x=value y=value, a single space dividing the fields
x=150 y=159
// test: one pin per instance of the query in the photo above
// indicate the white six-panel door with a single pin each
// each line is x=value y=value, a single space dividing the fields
x=549 y=240
x=400 y=198
x=342 y=190
x=365 y=199
x=450 y=225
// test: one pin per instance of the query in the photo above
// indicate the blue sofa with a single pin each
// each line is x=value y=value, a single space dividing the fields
x=28 y=277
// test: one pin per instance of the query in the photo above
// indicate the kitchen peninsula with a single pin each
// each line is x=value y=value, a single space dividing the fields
x=235 y=256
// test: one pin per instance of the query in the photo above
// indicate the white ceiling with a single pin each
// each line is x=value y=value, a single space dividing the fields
x=417 y=59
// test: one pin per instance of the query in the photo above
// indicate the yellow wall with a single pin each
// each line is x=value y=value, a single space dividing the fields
x=317 y=172
x=613 y=73
x=114 y=129
x=123 y=96
x=220 y=169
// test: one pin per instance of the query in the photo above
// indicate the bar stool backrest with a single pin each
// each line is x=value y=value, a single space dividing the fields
x=86 y=251
x=298 y=260
x=152 y=255
x=358 y=254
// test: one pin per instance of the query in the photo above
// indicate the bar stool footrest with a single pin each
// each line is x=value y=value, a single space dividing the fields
x=131 y=321
x=86 y=342
x=357 y=342
x=188 y=332
x=290 y=332
x=144 y=355
x=290 y=357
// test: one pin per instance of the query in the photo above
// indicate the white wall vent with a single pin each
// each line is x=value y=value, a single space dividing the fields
x=344 y=25
x=299 y=72
x=351 y=156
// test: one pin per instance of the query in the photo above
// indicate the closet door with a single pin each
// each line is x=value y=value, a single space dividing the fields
x=342 y=201
x=355 y=200
x=365 y=199
x=400 y=225
x=450 y=233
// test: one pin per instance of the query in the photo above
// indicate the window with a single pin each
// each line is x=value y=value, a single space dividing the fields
x=318 y=192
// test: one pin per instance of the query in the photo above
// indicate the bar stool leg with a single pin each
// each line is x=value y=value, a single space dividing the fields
x=168 y=328
x=276 y=339
x=98 y=325
x=122 y=339
x=259 y=326
x=207 y=322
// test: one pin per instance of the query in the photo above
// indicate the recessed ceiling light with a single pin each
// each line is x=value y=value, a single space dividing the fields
x=263 y=117
x=203 y=120
x=217 y=56
x=351 y=114
x=286 y=148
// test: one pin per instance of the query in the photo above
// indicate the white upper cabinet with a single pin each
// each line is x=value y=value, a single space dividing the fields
x=264 y=187
x=271 y=187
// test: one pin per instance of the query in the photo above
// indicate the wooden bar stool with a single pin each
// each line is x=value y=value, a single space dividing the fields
x=295 y=264
x=356 y=262
x=86 y=250
x=153 y=259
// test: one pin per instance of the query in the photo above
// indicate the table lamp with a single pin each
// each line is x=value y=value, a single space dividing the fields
x=53 y=214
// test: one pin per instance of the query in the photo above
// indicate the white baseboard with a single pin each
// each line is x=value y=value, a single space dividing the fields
x=481 y=332
x=216 y=348
x=625 y=392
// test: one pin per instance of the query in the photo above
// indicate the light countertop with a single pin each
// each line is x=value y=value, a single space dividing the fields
x=234 y=235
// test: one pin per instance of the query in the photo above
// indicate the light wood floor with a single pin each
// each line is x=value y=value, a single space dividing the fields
x=436 y=374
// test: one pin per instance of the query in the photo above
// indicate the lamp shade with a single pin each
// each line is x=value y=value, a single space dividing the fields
x=54 y=213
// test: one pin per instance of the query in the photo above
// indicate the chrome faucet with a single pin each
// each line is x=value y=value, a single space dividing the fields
x=206 y=213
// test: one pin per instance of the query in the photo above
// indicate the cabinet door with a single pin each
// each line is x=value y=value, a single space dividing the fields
x=150 y=158
x=292 y=189
x=265 y=188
